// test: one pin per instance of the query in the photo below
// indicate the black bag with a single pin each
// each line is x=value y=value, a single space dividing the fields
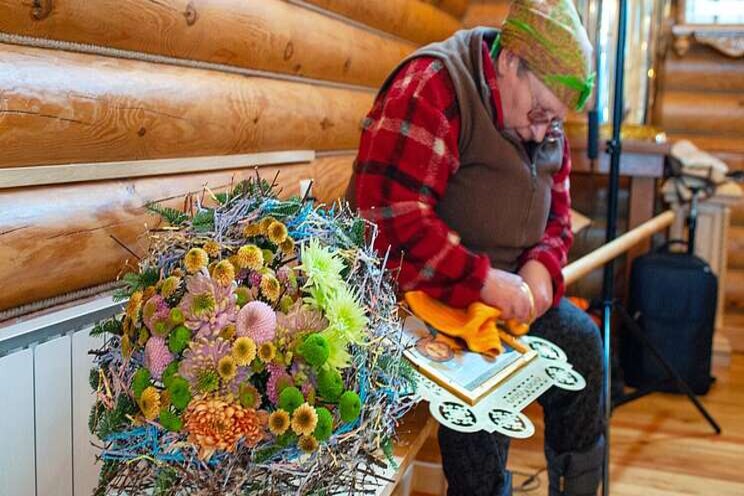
x=673 y=298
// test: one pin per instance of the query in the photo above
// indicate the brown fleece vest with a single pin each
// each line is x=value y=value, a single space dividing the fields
x=498 y=201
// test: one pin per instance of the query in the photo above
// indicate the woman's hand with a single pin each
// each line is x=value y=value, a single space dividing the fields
x=509 y=293
x=538 y=279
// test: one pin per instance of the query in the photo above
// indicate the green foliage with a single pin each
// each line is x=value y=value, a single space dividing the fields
x=286 y=209
x=357 y=232
x=104 y=422
x=387 y=448
x=290 y=399
x=110 y=326
x=222 y=198
x=164 y=481
x=203 y=221
x=266 y=454
x=136 y=281
x=109 y=469
x=94 y=379
x=324 y=428
x=172 y=216
x=349 y=406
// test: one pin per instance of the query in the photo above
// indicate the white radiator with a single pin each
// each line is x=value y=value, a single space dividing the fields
x=45 y=399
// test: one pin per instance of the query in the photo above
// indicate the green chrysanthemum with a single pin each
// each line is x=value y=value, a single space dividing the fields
x=338 y=356
x=179 y=339
x=349 y=406
x=330 y=384
x=140 y=382
x=346 y=315
x=322 y=267
x=290 y=399
x=203 y=303
x=315 y=350
x=208 y=381
x=324 y=428
x=170 y=421
x=180 y=395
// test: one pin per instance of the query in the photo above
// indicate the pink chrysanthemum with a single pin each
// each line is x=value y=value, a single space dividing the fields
x=257 y=320
x=207 y=306
x=155 y=310
x=254 y=279
x=278 y=380
x=157 y=356
x=301 y=318
x=308 y=391
x=242 y=376
x=199 y=364
x=283 y=274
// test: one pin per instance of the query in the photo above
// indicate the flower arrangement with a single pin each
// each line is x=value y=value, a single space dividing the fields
x=256 y=354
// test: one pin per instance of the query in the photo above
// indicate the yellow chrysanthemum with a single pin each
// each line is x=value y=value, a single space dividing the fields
x=170 y=286
x=212 y=248
x=224 y=273
x=288 y=247
x=165 y=400
x=308 y=444
x=265 y=223
x=270 y=287
x=126 y=346
x=278 y=422
x=277 y=232
x=149 y=403
x=250 y=257
x=134 y=305
x=244 y=350
x=227 y=368
x=149 y=292
x=228 y=332
x=195 y=260
x=252 y=230
x=304 y=420
x=267 y=352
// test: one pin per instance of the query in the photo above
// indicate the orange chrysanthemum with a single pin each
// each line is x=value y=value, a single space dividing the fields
x=214 y=424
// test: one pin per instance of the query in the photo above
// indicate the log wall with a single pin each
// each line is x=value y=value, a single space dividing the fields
x=125 y=80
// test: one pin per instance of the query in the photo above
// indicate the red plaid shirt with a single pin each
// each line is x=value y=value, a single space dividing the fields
x=408 y=153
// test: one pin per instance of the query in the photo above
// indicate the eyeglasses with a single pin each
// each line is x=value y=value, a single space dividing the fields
x=538 y=114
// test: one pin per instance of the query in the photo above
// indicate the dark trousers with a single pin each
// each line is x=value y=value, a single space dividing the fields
x=475 y=463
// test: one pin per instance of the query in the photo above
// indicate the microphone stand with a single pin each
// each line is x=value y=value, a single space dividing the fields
x=614 y=148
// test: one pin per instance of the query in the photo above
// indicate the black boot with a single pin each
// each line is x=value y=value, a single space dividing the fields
x=575 y=473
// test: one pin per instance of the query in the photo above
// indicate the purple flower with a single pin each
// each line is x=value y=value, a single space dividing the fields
x=207 y=306
x=257 y=320
x=157 y=356
x=199 y=364
x=155 y=310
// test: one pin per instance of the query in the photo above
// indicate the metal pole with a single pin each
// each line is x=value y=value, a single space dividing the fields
x=614 y=148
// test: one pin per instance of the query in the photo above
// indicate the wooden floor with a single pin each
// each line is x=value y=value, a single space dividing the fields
x=661 y=446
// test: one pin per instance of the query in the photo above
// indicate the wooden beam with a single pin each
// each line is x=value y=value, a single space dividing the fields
x=455 y=7
x=72 y=173
x=59 y=107
x=583 y=266
x=413 y=20
x=486 y=14
x=708 y=113
x=267 y=35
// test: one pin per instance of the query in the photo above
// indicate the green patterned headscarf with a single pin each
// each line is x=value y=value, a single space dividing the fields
x=549 y=37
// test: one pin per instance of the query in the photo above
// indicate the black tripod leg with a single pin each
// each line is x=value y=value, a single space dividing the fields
x=681 y=384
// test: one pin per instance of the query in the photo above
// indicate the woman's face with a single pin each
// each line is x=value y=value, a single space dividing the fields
x=529 y=106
